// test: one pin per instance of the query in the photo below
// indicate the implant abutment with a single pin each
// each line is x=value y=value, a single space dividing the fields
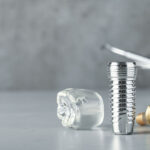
x=144 y=117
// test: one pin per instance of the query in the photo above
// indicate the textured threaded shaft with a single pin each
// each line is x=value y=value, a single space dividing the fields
x=122 y=94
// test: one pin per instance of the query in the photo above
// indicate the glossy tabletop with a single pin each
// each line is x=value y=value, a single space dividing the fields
x=28 y=121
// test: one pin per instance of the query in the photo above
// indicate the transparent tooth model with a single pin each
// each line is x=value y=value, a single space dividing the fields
x=122 y=93
x=80 y=108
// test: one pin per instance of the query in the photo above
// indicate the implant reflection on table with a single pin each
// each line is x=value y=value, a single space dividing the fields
x=28 y=121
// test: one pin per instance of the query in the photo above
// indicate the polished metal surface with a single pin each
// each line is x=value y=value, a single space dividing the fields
x=144 y=117
x=141 y=61
x=122 y=94
x=28 y=121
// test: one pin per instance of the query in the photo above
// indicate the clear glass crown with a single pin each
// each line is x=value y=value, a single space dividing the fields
x=80 y=108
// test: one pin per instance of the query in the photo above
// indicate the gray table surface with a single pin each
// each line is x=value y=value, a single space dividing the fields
x=28 y=122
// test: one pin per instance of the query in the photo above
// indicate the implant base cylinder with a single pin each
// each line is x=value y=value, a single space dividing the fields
x=122 y=94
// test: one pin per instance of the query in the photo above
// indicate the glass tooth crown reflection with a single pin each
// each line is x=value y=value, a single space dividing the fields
x=80 y=108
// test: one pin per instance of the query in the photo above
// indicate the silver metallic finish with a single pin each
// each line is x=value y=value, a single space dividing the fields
x=122 y=93
x=141 y=61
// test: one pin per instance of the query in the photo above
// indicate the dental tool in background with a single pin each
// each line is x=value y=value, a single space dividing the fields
x=142 y=62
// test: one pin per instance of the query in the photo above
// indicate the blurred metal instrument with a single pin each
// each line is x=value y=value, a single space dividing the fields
x=142 y=62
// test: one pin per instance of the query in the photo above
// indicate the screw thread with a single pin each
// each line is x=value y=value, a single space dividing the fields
x=122 y=94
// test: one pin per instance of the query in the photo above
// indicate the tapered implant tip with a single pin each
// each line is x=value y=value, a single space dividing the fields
x=144 y=117
x=140 y=119
x=147 y=114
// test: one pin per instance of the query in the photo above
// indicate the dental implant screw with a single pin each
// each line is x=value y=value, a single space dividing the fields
x=122 y=77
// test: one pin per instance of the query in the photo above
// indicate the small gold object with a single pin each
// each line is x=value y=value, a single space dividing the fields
x=144 y=117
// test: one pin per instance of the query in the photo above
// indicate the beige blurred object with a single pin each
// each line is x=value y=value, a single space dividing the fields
x=144 y=117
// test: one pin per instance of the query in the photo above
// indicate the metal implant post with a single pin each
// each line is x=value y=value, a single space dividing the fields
x=122 y=94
